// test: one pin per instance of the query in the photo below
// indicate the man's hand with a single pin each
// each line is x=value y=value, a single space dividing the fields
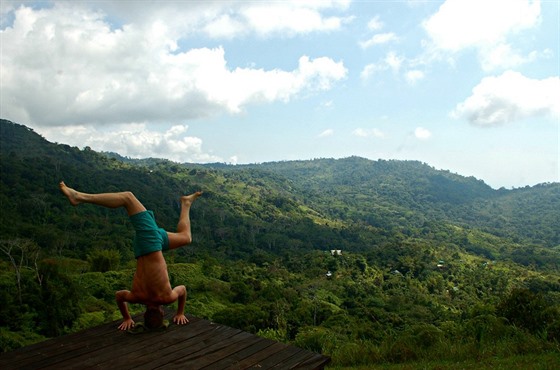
x=180 y=319
x=181 y=294
x=122 y=297
x=126 y=324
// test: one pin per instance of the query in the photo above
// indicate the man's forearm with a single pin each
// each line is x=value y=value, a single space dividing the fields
x=181 y=299
x=121 y=303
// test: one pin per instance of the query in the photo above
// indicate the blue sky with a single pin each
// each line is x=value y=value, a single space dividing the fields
x=469 y=86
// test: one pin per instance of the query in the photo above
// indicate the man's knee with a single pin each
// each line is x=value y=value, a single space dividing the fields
x=129 y=196
x=184 y=239
x=177 y=240
x=132 y=204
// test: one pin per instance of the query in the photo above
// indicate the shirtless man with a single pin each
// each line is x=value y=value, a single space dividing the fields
x=151 y=285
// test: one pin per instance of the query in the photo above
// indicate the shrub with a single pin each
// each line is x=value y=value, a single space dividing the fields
x=527 y=310
x=88 y=320
x=10 y=340
x=316 y=339
x=356 y=353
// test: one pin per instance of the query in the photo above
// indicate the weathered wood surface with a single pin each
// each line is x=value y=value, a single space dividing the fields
x=200 y=344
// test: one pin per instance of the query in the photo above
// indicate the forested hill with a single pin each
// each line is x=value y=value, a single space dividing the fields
x=383 y=193
x=392 y=196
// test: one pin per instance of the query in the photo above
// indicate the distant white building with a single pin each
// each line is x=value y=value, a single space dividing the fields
x=336 y=252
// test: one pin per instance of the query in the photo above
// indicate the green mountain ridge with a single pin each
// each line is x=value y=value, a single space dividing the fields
x=382 y=194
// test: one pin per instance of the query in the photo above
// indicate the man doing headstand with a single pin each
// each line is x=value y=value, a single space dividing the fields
x=151 y=285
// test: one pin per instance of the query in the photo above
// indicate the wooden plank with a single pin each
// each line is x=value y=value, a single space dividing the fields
x=275 y=361
x=297 y=361
x=214 y=352
x=193 y=349
x=316 y=362
x=137 y=355
x=108 y=350
x=238 y=360
x=255 y=359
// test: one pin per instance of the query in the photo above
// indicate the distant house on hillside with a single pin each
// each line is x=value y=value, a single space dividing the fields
x=336 y=252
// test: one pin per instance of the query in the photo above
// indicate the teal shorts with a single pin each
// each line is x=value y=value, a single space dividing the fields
x=149 y=237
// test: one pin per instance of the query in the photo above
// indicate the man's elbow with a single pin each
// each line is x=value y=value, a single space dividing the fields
x=120 y=296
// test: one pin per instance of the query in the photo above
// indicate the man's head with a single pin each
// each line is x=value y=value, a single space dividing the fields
x=153 y=317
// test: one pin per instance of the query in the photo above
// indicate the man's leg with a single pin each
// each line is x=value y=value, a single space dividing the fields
x=124 y=199
x=183 y=235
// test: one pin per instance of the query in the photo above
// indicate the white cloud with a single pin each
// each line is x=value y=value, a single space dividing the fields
x=327 y=133
x=510 y=97
x=460 y=24
x=363 y=132
x=67 y=65
x=288 y=17
x=135 y=141
x=375 y=24
x=378 y=39
x=504 y=56
x=369 y=70
x=326 y=104
x=414 y=76
x=484 y=26
x=392 y=62
x=422 y=133
x=232 y=18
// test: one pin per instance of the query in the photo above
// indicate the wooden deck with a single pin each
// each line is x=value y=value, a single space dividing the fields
x=201 y=344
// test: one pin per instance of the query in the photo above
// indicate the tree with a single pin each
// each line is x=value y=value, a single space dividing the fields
x=22 y=253
x=59 y=301
x=103 y=260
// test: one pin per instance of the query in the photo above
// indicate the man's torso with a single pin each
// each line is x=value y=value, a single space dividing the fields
x=151 y=281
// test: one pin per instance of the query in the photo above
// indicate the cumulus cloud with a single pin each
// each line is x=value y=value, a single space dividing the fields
x=484 y=26
x=327 y=133
x=510 y=97
x=68 y=65
x=283 y=17
x=135 y=140
x=373 y=132
x=231 y=18
x=422 y=133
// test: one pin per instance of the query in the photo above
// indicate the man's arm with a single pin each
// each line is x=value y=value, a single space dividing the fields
x=123 y=296
x=181 y=293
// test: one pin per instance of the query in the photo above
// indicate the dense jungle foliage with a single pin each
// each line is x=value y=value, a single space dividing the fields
x=432 y=265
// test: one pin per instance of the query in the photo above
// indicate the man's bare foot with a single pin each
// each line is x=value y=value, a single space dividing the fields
x=70 y=193
x=187 y=200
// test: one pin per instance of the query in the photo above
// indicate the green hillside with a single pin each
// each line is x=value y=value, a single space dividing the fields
x=434 y=265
